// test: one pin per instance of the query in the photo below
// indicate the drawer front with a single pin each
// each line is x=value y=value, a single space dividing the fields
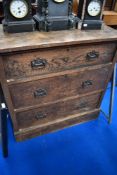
x=56 y=125
x=56 y=59
x=58 y=110
x=58 y=87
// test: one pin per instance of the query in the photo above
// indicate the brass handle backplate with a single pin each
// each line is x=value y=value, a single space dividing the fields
x=92 y=56
x=40 y=116
x=87 y=83
x=40 y=93
x=38 y=63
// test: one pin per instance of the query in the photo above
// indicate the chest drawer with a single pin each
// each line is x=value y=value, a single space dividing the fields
x=59 y=87
x=48 y=113
x=30 y=132
x=56 y=59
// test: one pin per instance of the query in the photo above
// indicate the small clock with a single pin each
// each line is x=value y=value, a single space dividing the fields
x=94 y=8
x=53 y=15
x=17 y=16
x=90 y=13
x=18 y=9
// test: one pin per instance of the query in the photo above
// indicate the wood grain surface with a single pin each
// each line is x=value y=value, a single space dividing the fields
x=47 y=113
x=67 y=89
x=56 y=59
x=58 y=124
x=54 y=88
x=35 y=40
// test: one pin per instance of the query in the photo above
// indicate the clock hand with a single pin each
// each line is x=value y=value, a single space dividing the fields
x=20 y=6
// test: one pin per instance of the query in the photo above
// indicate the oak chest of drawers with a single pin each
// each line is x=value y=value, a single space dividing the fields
x=56 y=79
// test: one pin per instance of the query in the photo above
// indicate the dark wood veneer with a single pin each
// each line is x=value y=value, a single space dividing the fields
x=59 y=87
x=56 y=125
x=51 y=112
x=56 y=60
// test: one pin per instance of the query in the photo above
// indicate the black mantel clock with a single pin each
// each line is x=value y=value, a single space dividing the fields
x=55 y=15
x=17 y=16
x=90 y=13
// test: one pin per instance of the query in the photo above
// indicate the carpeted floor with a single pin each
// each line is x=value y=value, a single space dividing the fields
x=86 y=149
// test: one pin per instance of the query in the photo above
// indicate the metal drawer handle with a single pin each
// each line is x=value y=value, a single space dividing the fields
x=87 y=83
x=40 y=116
x=40 y=93
x=38 y=63
x=82 y=105
x=92 y=55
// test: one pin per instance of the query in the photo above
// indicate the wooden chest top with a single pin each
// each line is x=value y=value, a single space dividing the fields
x=36 y=40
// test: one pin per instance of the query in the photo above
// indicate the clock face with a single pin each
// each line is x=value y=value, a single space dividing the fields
x=94 y=8
x=58 y=1
x=19 y=8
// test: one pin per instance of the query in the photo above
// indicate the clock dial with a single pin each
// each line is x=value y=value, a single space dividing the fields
x=19 y=8
x=94 y=8
x=58 y=1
